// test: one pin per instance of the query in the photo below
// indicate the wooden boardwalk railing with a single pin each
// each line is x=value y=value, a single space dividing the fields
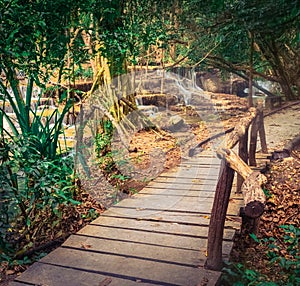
x=249 y=182
x=156 y=237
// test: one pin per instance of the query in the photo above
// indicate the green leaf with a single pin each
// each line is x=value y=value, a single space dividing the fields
x=254 y=237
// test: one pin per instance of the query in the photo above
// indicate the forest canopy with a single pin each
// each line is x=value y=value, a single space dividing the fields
x=46 y=38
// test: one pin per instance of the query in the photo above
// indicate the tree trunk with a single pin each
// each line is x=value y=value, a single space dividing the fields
x=250 y=89
x=273 y=54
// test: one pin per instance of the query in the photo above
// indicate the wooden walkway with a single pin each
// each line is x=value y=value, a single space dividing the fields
x=156 y=237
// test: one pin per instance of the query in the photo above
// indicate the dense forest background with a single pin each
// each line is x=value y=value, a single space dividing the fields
x=73 y=39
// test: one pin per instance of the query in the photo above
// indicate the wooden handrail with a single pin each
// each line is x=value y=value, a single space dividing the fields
x=250 y=182
x=239 y=131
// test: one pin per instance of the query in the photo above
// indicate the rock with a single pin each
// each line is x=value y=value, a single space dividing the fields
x=213 y=81
x=159 y=100
x=148 y=110
x=168 y=122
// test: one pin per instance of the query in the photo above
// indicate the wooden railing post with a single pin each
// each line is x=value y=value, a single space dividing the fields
x=253 y=141
x=217 y=221
x=254 y=197
x=243 y=153
x=262 y=133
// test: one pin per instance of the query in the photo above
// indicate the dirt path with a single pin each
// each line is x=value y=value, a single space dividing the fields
x=283 y=126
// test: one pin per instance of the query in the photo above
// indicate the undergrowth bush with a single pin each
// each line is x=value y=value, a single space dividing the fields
x=36 y=172
x=33 y=191
x=282 y=253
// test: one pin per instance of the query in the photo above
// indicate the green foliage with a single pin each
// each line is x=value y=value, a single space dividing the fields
x=289 y=261
x=34 y=190
x=267 y=193
x=103 y=139
x=35 y=35
x=120 y=177
x=221 y=34
x=36 y=179
x=289 y=258
x=128 y=29
x=235 y=274
x=91 y=215
x=282 y=254
x=31 y=123
x=85 y=74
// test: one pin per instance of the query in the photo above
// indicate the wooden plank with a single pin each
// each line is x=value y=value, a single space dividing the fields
x=191 y=230
x=192 y=173
x=203 y=159
x=166 y=200
x=178 y=256
x=151 y=204
x=204 y=165
x=148 y=212
x=181 y=218
x=151 y=238
x=189 y=177
x=168 y=217
x=201 y=163
x=144 y=212
x=205 y=180
x=158 y=203
x=52 y=275
x=126 y=267
x=176 y=192
x=182 y=184
x=196 y=168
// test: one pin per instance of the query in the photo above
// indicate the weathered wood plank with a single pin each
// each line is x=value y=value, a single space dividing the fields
x=51 y=275
x=140 y=213
x=168 y=217
x=191 y=230
x=155 y=191
x=182 y=183
x=203 y=160
x=194 y=169
x=204 y=165
x=142 y=270
x=193 y=166
x=152 y=238
x=143 y=211
x=204 y=180
x=192 y=174
x=168 y=203
x=186 y=257
x=231 y=222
